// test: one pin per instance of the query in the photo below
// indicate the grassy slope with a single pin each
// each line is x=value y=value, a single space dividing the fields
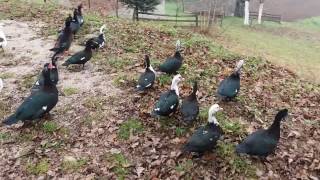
x=293 y=45
x=154 y=145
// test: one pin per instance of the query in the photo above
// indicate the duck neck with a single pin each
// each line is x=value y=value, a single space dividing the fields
x=274 y=129
x=212 y=119
x=177 y=55
x=174 y=87
x=151 y=69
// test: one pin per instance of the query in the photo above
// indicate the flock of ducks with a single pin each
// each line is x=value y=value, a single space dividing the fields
x=44 y=93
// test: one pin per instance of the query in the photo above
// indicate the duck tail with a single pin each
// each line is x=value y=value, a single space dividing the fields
x=241 y=149
x=10 y=120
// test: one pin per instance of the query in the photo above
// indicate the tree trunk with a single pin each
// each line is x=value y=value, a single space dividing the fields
x=117 y=8
x=246 y=13
x=260 y=11
x=239 y=8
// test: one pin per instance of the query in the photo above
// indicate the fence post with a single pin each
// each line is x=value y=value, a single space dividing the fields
x=197 y=20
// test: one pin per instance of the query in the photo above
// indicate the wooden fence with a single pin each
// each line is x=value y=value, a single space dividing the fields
x=194 y=18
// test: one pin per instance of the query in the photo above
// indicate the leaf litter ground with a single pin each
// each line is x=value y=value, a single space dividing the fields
x=103 y=128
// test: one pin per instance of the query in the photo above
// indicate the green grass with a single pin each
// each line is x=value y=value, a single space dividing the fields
x=184 y=166
x=120 y=164
x=238 y=164
x=68 y=91
x=6 y=75
x=272 y=41
x=164 y=79
x=49 y=127
x=130 y=127
x=73 y=165
x=39 y=168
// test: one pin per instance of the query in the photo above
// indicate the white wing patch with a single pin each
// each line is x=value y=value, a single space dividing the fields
x=171 y=107
x=45 y=108
x=83 y=58
x=37 y=83
x=157 y=109
x=211 y=139
x=204 y=132
x=148 y=85
x=236 y=90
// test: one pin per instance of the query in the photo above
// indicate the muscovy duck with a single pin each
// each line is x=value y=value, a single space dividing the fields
x=205 y=138
x=3 y=40
x=98 y=42
x=38 y=103
x=190 y=106
x=64 y=40
x=1 y=84
x=168 y=101
x=54 y=76
x=264 y=141
x=146 y=79
x=80 y=57
x=173 y=64
x=230 y=87
x=75 y=24
x=79 y=15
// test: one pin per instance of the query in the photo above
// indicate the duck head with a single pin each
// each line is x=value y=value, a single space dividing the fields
x=239 y=66
x=75 y=14
x=68 y=21
x=48 y=67
x=89 y=45
x=80 y=6
x=175 y=81
x=212 y=111
x=179 y=49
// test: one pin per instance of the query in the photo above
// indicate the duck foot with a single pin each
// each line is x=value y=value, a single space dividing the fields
x=26 y=124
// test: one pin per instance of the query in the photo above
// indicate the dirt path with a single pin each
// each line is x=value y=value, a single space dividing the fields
x=79 y=90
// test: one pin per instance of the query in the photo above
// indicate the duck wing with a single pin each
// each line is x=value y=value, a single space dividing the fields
x=229 y=87
x=79 y=58
x=167 y=103
x=146 y=80
x=171 y=65
x=203 y=139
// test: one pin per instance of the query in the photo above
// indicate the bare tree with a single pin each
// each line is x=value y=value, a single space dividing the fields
x=246 y=12
x=260 y=11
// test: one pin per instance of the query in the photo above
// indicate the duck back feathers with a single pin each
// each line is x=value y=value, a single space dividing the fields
x=204 y=139
x=172 y=64
x=80 y=57
x=64 y=40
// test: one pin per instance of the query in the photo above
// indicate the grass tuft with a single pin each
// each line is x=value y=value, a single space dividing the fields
x=132 y=126
x=39 y=168
x=49 y=127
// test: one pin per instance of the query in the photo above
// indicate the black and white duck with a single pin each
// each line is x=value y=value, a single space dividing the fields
x=80 y=57
x=64 y=40
x=79 y=15
x=3 y=40
x=230 y=87
x=75 y=24
x=205 y=138
x=264 y=141
x=38 y=103
x=173 y=64
x=54 y=76
x=146 y=79
x=168 y=101
x=190 y=106
x=99 y=41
